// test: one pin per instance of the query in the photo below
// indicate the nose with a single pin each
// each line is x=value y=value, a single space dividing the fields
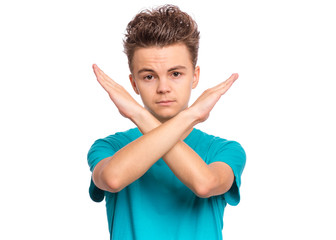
x=163 y=86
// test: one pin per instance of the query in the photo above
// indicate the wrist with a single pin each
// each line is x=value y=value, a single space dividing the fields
x=144 y=120
x=190 y=117
x=138 y=116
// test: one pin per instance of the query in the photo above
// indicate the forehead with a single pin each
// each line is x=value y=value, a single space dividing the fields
x=161 y=58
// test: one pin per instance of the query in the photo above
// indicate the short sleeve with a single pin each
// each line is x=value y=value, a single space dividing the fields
x=99 y=150
x=231 y=153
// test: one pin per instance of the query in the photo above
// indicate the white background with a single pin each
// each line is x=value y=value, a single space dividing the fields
x=281 y=109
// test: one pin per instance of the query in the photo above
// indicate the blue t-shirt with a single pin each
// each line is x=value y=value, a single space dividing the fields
x=158 y=205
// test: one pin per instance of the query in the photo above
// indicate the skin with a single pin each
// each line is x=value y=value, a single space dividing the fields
x=164 y=78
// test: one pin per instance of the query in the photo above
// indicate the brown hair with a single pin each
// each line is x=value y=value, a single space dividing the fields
x=161 y=26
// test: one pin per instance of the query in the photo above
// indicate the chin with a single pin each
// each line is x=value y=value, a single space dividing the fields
x=164 y=117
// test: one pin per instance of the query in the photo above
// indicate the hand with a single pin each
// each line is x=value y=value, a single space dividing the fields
x=205 y=103
x=125 y=103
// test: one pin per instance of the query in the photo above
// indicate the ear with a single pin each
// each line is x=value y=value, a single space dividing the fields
x=196 y=77
x=135 y=87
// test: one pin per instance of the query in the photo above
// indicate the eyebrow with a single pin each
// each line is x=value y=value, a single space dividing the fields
x=176 y=68
x=169 y=70
x=145 y=70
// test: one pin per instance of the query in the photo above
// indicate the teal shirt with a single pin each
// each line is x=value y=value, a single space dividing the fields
x=158 y=205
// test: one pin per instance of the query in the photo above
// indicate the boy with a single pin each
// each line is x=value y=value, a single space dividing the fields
x=164 y=179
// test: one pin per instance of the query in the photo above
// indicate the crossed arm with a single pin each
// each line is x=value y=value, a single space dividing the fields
x=116 y=172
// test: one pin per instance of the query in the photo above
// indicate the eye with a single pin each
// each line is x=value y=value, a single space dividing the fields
x=148 y=77
x=176 y=74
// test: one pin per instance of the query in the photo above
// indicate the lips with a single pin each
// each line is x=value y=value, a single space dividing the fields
x=165 y=102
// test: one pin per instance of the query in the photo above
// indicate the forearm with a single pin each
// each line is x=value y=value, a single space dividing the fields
x=184 y=162
x=132 y=161
x=190 y=168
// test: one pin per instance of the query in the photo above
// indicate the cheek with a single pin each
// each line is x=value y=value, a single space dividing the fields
x=185 y=90
x=145 y=94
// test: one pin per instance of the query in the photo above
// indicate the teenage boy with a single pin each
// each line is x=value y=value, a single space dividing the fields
x=164 y=179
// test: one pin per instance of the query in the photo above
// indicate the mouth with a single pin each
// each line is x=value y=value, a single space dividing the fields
x=165 y=102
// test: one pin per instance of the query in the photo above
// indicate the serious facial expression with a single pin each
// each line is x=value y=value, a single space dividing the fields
x=164 y=78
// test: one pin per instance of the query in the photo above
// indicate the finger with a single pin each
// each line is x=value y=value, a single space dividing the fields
x=102 y=78
x=235 y=76
x=99 y=72
x=230 y=80
x=96 y=70
x=224 y=86
x=227 y=82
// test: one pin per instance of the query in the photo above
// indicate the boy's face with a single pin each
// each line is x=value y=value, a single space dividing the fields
x=164 y=78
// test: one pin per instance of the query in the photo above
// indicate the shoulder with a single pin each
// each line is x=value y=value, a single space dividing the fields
x=106 y=147
x=213 y=147
x=213 y=141
x=119 y=138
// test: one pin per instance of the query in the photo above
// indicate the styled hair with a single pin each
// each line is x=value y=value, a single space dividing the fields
x=162 y=26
